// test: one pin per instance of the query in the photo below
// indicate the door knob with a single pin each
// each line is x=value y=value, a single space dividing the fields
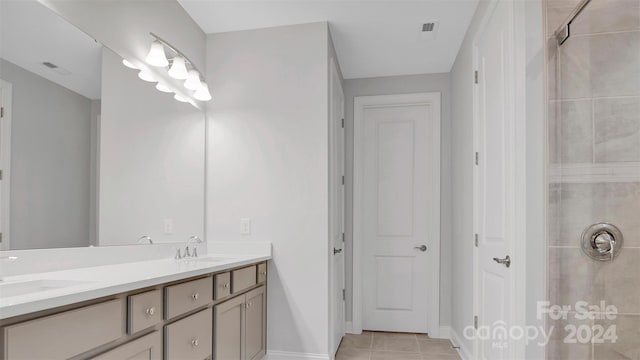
x=506 y=261
x=422 y=248
x=336 y=251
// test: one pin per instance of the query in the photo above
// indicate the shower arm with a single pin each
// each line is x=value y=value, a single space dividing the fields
x=563 y=32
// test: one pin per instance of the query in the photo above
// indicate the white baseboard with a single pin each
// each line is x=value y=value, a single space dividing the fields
x=285 y=355
x=464 y=352
x=444 y=333
x=348 y=327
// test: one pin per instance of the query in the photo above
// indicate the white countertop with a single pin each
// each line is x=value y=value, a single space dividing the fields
x=99 y=281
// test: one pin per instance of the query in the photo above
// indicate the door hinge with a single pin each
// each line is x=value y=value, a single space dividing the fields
x=475 y=239
x=1 y=112
x=0 y=237
x=475 y=76
x=343 y=123
x=342 y=237
x=344 y=295
x=477 y=158
x=342 y=179
x=475 y=322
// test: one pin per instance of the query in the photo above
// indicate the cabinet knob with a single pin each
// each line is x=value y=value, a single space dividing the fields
x=194 y=342
x=150 y=311
x=195 y=296
x=263 y=272
x=226 y=286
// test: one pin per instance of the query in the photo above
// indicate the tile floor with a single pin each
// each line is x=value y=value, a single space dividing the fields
x=394 y=346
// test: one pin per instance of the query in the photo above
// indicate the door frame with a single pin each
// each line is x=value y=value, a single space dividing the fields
x=5 y=164
x=516 y=82
x=334 y=78
x=360 y=104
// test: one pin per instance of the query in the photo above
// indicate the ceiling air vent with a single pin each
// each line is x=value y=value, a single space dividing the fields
x=56 y=68
x=50 y=65
x=428 y=27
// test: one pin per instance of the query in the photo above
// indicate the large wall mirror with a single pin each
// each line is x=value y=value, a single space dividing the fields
x=90 y=154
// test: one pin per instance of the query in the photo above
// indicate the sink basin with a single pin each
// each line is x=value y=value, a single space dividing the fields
x=34 y=286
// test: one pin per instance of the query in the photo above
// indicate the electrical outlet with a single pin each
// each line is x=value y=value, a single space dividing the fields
x=245 y=226
x=168 y=226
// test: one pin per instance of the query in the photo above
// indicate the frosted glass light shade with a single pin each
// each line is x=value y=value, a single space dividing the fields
x=193 y=80
x=128 y=64
x=180 y=98
x=146 y=76
x=178 y=69
x=162 y=87
x=203 y=93
x=156 y=56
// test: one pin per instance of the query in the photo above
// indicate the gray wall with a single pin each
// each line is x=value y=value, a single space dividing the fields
x=152 y=150
x=50 y=162
x=267 y=160
x=402 y=85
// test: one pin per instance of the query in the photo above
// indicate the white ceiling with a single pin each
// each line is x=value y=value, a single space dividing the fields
x=372 y=38
x=30 y=34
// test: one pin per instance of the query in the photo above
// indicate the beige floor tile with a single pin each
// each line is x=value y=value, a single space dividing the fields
x=423 y=336
x=353 y=354
x=436 y=346
x=440 y=357
x=395 y=342
x=361 y=341
x=395 y=355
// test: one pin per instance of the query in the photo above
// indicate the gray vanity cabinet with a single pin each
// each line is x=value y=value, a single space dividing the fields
x=255 y=324
x=240 y=327
x=220 y=313
x=148 y=347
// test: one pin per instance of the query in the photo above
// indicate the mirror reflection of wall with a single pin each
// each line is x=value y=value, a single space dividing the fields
x=97 y=156
x=52 y=72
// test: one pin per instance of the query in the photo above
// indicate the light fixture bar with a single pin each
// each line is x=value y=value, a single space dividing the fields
x=176 y=51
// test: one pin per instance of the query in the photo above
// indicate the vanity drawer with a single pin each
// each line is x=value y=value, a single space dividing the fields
x=262 y=273
x=243 y=278
x=190 y=338
x=222 y=285
x=182 y=298
x=67 y=334
x=144 y=310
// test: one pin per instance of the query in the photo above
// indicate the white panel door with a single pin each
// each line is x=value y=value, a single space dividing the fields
x=336 y=225
x=494 y=180
x=400 y=212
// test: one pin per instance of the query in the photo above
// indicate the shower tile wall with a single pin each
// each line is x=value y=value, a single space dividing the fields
x=594 y=168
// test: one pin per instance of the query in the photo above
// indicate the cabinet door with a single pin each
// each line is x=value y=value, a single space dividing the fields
x=228 y=335
x=148 y=347
x=255 y=324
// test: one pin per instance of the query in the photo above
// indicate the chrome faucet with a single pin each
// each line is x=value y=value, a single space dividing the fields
x=192 y=239
x=145 y=238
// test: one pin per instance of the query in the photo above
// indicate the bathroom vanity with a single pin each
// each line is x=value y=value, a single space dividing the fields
x=201 y=308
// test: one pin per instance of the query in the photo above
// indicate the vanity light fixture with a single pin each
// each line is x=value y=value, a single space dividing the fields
x=203 y=93
x=178 y=68
x=181 y=68
x=146 y=76
x=180 y=98
x=193 y=80
x=128 y=64
x=163 y=88
x=156 y=56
